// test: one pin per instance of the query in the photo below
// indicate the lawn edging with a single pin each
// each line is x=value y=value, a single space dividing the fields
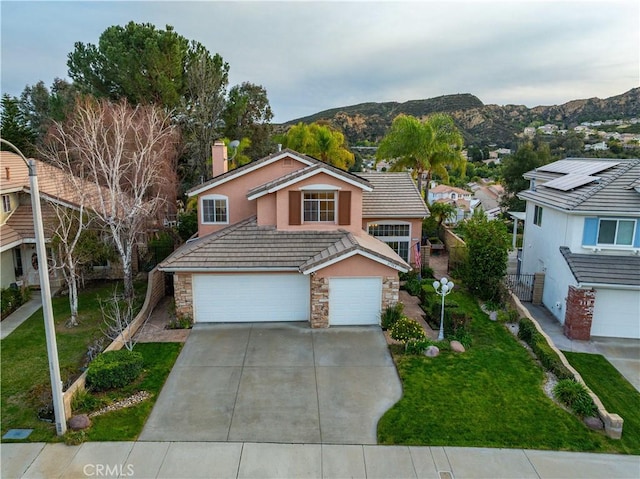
x=612 y=422
x=155 y=292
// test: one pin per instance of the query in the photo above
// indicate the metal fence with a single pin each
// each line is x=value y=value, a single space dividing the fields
x=521 y=285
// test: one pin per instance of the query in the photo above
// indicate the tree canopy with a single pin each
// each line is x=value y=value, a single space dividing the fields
x=14 y=126
x=428 y=146
x=514 y=166
x=320 y=141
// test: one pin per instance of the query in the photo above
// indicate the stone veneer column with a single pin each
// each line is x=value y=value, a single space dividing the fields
x=319 y=302
x=579 y=315
x=183 y=294
x=390 y=291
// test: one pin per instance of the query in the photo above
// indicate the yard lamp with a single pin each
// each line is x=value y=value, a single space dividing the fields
x=443 y=288
x=45 y=291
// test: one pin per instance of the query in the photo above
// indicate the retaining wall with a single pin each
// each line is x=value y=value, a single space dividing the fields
x=155 y=292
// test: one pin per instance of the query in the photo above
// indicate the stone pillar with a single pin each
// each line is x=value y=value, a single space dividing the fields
x=183 y=294
x=319 y=302
x=390 y=291
x=579 y=315
x=538 y=288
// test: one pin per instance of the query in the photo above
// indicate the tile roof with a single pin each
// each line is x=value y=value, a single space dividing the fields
x=19 y=226
x=394 y=195
x=448 y=189
x=603 y=269
x=247 y=246
x=612 y=190
x=309 y=160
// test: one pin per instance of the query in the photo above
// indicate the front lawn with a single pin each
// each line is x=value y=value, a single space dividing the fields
x=25 y=369
x=615 y=392
x=489 y=396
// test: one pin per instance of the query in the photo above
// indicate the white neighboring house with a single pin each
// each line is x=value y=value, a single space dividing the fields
x=582 y=229
x=463 y=201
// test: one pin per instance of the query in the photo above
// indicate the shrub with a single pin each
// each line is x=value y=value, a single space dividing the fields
x=413 y=286
x=181 y=322
x=114 y=369
x=547 y=356
x=418 y=346
x=407 y=329
x=391 y=315
x=462 y=336
x=576 y=397
x=12 y=298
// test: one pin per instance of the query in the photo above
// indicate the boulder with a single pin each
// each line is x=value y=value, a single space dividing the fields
x=431 y=351
x=594 y=423
x=81 y=421
x=457 y=347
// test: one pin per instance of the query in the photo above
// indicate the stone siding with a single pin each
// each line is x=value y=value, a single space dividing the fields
x=579 y=315
x=390 y=291
x=183 y=294
x=319 y=302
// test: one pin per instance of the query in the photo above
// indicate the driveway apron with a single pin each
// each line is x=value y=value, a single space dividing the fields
x=276 y=382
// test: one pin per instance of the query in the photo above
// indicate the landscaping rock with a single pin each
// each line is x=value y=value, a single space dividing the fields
x=432 y=351
x=594 y=423
x=457 y=347
x=81 y=421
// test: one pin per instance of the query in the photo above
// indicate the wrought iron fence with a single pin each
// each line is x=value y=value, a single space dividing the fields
x=521 y=285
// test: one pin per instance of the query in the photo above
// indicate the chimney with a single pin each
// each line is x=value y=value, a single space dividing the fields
x=8 y=172
x=219 y=155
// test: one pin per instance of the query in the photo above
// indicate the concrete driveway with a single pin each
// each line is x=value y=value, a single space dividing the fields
x=276 y=382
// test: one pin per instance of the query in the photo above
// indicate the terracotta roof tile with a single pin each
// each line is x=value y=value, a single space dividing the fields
x=394 y=195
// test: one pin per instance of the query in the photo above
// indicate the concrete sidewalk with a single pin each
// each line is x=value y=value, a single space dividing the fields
x=253 y=460
x=20 y=315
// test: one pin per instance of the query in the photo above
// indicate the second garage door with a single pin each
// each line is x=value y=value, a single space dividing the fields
x=237 y=298
x=354 y=301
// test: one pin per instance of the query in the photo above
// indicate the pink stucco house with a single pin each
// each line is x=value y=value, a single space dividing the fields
x=290 y=238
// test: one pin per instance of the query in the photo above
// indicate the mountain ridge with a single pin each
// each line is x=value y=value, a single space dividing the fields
x=478 y=122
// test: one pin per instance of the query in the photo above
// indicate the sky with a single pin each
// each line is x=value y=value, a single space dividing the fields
x=312 y=56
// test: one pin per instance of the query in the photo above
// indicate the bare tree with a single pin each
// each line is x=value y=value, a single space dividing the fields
x=126 y=150
x=117 y=315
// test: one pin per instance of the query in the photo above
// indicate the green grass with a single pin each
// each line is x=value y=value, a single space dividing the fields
x=126 y=424
x=24 y=367
x=616 y=393
x=489 y=396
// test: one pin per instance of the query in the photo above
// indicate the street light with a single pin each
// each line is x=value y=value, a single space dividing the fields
x=45 y=291
x=443 y=288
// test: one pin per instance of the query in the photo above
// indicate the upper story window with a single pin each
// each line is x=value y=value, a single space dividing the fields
x=396 y=235
x=319 y=206
x=537 y=216
x=6 y=203
x=215 y=209
x=617 y=232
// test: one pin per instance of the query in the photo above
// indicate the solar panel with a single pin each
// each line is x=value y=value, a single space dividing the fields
x=581 y=167
x=569 y=182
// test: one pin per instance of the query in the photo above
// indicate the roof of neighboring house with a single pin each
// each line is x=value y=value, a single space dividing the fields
x=19 y=226
x=448 y=189
x=587 y=185
x=461 y=203
x=53 y=183
x=249 y=247
x=306 y=159
x=603 y=269
x=393 y=195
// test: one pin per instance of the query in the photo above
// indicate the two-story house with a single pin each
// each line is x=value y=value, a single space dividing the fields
x=462 y=200
x=290 y=238
x=582 y=229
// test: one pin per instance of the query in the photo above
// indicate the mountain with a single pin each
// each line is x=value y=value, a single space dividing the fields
x=480 y=124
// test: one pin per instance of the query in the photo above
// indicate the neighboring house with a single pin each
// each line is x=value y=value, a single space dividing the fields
x=462 y=200
x=19 y=262
x=290 y=238
x=582 y=229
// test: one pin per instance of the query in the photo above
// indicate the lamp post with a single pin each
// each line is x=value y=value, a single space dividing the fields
x=45 y=291
x=443 y=288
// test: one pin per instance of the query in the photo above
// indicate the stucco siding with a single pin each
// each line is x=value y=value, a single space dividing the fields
x=356 y=266
x=7 y=275
x=415 y=231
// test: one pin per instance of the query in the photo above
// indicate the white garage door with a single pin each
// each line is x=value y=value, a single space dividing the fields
x=354 y=301
x=238 y=298
x=616 y=314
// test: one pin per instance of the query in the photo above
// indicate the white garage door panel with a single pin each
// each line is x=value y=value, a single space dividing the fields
x=237 y=298
x=354 y=301
x=616 y=314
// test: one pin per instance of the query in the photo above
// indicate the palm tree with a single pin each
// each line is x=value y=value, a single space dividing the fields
x=425 y=147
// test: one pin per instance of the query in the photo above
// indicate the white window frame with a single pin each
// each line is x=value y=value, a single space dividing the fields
x=393 y=239
x=537 y=215
x=318 y=201
x=214 y=198
x=615 y=244
x=6 y=203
